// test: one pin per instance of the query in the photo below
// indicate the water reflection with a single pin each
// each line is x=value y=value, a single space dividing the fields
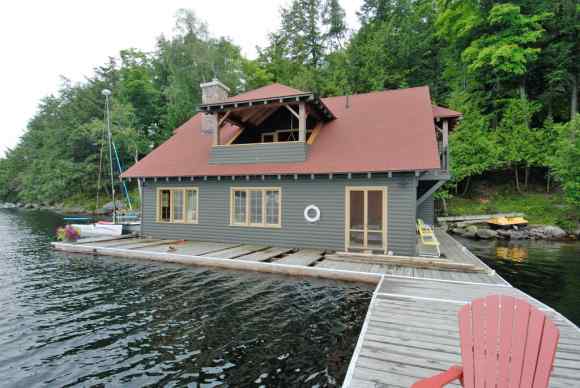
x=514 y=253
x=547 y=270
x=78 y=320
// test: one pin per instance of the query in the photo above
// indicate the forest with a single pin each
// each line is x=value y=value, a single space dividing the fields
x=512 y=68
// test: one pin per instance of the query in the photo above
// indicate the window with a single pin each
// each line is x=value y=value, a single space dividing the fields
x=283 y=135
x=256 y=206
x=177 y=205
x=240 y=207
x=165 y=205
x=191 y=205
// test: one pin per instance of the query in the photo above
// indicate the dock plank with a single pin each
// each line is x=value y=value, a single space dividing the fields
x=265 y=254
x=235 y=252
x=114 y=242
x=408 y=338
x=149 y=245
x=304 y=257
x=455 y=292
x=345 y=265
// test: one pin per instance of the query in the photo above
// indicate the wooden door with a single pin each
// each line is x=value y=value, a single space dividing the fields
x=366 y=219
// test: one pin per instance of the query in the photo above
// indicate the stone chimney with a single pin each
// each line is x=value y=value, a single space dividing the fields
x=212 y=92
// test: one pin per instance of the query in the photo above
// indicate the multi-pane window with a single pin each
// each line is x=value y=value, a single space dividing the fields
x=165 y=205
x=178 y=205
x=240 y=207
x=191 y=205
x=256 y=216
x=256 y=206
x=273 y=207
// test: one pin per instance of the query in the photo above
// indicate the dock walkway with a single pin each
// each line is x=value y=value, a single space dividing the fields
x=410 y=330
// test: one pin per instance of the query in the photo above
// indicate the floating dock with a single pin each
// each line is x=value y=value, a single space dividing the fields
x=410 y=330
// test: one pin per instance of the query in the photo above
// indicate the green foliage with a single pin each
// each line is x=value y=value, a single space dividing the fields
x=472 y=146
x=540 y=208
x=506 y=49
x=516 y=140
x=566 y=160
x=396 y=47
x=305 y=51
x=511 y=67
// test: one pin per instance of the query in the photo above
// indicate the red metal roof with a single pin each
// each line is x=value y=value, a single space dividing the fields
x=377 y=132
x=445 y=113
x=268 y=91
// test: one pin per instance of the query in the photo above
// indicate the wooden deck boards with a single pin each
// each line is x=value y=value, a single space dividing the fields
x=304 y=257
x=411 y=335
x=265 y=254
x=235 y=252
x=193 y=248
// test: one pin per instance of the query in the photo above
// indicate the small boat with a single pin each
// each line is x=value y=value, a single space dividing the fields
x=124 y=221
x=507 y=222
x=107 y=228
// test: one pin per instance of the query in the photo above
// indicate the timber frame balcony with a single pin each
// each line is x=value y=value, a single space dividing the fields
x=264 y=126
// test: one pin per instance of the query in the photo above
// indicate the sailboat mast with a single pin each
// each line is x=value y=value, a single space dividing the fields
x=107 y=94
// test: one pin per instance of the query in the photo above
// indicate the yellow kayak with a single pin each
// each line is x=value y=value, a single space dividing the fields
x=507 y=222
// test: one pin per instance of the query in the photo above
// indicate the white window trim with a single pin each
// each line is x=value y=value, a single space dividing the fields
x=247 y=222
x=171 y=190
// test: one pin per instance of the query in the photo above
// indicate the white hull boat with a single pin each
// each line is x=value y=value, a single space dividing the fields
x=99 y=229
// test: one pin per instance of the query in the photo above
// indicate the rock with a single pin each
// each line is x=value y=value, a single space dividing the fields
x=471 y=229
x=548 y=232
x=576 y=233
x=109 y=206
x=458 y=231
x=29 y=206
x=469 y=232
x=73 y=210
x=486 y=234
x=513 y=234
x=101 y=212
x=18 y=204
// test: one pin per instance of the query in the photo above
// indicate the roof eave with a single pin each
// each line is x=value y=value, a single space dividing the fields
x=225 y=106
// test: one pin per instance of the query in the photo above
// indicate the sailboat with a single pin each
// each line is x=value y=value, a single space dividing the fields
x=121 y=223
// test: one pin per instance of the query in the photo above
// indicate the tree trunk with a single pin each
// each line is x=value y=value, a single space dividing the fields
x=548 y=181
x=444 y=205
x=518 y=189
x=466 y=187
x=574 y=98
x=526 y=177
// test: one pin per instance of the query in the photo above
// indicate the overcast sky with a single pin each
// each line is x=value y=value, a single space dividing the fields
x=42 y=40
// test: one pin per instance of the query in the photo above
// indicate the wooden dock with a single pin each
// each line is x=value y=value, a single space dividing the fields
x=410 y=330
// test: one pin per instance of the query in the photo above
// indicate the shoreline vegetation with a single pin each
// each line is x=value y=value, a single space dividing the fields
x=513 y=69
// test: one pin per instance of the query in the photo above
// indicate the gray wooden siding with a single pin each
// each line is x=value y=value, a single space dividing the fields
x=259 y=153
x=327 y=194
x=426 y=211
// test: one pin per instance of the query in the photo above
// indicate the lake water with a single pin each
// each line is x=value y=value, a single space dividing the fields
x=549 y=271
x=72 y=320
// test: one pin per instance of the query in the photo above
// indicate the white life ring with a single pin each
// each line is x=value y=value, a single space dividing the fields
x=312 y=218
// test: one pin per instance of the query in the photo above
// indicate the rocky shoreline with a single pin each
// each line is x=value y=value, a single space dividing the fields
x=531 y=232
x=61 y=209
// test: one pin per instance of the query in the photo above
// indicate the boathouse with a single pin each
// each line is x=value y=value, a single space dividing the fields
x=283 y=167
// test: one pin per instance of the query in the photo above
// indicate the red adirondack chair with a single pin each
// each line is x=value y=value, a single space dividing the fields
x=505 y=342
